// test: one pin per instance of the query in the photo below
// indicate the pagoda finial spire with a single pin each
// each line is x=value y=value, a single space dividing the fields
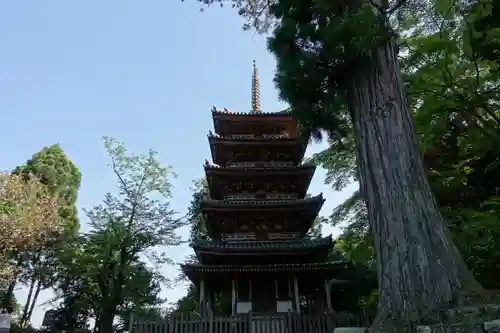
x=255 y=90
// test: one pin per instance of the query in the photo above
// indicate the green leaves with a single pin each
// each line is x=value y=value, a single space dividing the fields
x=316 y=45
x=454 y=97
x=444 y=8
x=106 y=268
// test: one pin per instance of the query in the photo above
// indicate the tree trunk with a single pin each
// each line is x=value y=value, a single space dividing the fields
x=34 y=300
x=9 y=294
x=106 y=321
x=24 y=315
x=419 y=268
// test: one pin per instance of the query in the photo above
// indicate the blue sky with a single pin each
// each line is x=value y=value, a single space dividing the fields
x=146 y=73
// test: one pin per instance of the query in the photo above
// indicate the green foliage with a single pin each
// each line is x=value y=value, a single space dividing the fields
x=317 y=44
x=484 y=29
x=38 y=266
x=61 y=176
x=114 y=268
x=455 y=99
x=194 y=215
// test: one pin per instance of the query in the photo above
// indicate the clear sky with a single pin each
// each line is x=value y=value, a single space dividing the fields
x=144 y=72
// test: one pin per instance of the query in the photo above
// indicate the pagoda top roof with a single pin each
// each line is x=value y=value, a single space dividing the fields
x=304 y=243
x=225 y=112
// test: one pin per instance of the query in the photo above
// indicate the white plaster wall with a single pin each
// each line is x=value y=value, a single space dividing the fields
x=284 y=306
x=243 y=307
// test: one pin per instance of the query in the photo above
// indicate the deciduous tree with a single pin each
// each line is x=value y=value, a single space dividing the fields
x=107 y=266
x=28 y=216
x=60 y=176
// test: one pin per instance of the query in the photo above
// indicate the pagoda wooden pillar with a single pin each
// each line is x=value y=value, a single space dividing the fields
x=328 y=295
x=233 y=297
x=210 y=302
x=202 y=297
x=296 y=294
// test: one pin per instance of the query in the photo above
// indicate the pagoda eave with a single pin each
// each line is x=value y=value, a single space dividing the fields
x=228 y=151
x=196 y=272
x=231 y=181
x=263 y=205
x=234 y=141
x=257 y=171
x=221 y=114
x=227 y=123
x=252 y=246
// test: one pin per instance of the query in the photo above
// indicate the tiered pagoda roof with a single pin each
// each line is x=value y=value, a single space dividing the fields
x=257 y=213
x=264 y=217
x=217 y=252
x=329 y=269
x=264 y=178
x=237 y=149
x=201 y=246
x=226 y=123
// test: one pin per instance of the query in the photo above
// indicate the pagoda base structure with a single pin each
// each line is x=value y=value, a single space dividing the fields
x=267 y=289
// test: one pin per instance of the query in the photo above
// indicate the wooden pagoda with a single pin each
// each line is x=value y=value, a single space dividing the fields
x=257 y=216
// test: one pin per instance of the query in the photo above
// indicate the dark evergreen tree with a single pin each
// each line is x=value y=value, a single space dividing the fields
x=62 y=178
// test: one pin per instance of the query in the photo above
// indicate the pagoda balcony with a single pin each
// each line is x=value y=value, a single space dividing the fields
x=274 y=249
x=253 y=136
x=226 y=151
x=250 y=236
x=260 y=216
x=258 y=164
x=254 y=197
x=284 y=182
x=288 y=322
x=256 y=202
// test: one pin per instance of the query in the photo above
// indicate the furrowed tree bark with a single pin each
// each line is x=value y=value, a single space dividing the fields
x=419 y=268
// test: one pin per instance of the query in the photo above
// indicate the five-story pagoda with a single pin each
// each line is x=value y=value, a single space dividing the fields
x=257 y=216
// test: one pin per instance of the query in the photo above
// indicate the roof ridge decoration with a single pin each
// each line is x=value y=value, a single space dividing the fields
x=255 y=90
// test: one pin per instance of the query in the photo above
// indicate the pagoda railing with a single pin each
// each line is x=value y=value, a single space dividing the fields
x=253 y=136
x=258 y=202
x=269 y=196
x=251 y=323
x=261 y=164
